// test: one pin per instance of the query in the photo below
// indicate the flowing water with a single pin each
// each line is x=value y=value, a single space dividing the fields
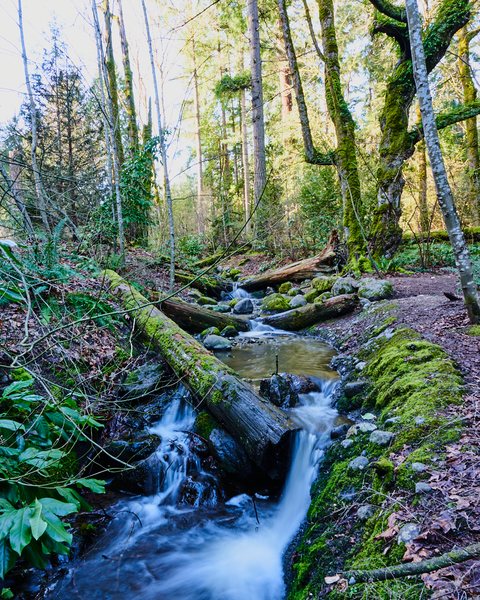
x=158 y=548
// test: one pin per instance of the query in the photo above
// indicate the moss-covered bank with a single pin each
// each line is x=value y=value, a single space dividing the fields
x=411 y=382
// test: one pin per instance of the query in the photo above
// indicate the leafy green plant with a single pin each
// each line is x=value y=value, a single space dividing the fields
x=36 y=482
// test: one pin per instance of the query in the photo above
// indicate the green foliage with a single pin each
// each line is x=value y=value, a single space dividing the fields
x=36 y=475
x=228 y=87
x=85 y=304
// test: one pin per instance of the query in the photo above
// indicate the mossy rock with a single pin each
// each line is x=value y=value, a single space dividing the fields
x=375 y=289
x=229 y=331
x=233 y=302
x=323 y=297
x=311 y=295
x=275 y=303
x=210 y=331
x=323 y=283
x=235 y=273
x=294 y=292
x=205 y=424
x=285 y=287
x=206 y=301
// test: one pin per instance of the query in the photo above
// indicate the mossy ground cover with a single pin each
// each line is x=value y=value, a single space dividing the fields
x=412 y=382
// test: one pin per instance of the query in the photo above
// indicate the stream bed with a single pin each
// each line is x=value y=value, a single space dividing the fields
x=224 y=546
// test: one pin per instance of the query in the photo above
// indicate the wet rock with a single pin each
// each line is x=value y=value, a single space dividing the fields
x=279 y=392
x=120 y=451
x=145 y=381
x=199 y=489
x=269 y=291
x=360 y=366
x=419 y=420
x=216 y=342
x=311 y=295
x=297 y=301
x=229 y=331
x=285 y=287
x=244 y=307
x=233 y=302
x=359 y=464
x=295 y=292
x=220 y=308
x=408 y=533
x=275 y=303
x=381 y=438
x=365 y=512
x=423 y=488
x=205 y=301
x=323 y=283
x=375 y=289
x=301 y=384
x=363 y=427
x=142 y=478
x=228 y=454
x=418 y=467
x=210 y=331
x=346 y=443
x=355 y=387
x=344 y=285
x=339 y=432
x=364 y=303
x=199 y=447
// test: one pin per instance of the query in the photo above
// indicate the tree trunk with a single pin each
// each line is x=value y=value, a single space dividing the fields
x=444 y=192
x=422 y=181
x=111 y=111
x=163 y=152
x=194 y=318
x=205 y=284
x=286 y=85
x=470 y=95
x=129 y=95
x=261 y=428
x=259 y=159
x=305 y=316
x=33 y=117
x=325 y=262
x=246 y=169
x=12 y=183
x=198 y=139
x=346 y=153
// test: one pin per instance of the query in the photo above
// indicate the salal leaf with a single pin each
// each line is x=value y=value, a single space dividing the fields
x=56 y=529
x=7 y=558
x=6 y=518
x=96 y=485
x=11 y=425
x=37 y=524
x=74 y=497
x=20 y=531
x=34 y=554
x=57 y=507
x=16 y=386
x=41 y=427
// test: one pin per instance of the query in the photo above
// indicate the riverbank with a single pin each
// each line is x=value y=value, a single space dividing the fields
x=399 y=486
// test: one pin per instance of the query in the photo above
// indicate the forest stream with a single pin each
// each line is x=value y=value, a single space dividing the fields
x=221 y=548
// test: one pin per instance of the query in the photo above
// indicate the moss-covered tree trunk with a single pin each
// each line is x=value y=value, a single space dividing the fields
x=261 y=428
x=398 y=143
x=470 y=95
x=346 y=156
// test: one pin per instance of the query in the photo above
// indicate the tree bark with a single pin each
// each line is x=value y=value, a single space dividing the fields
x=261 y=428
x=12 y=183
x=194 y=318
x=163 y=153
x=259 y=159
x=444 y=192
x=416 y=568
x=325 y=262
x=198 y=139
x=470 y=95
x=33 y=118
x=305 y=316
x=422 y=181
x=246 y=167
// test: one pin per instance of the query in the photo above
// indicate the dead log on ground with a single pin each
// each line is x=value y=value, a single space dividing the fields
x=325 y=262
x=305 y=316
x=205 y=284
x=261 y=428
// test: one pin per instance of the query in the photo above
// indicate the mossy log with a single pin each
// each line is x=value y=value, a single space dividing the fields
x=261 y=428
x=299 y=318
x=325 y=262
x=195 y=319
x=207 y=285
x=416 y=568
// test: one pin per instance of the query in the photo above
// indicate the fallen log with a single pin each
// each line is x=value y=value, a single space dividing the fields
x=205 y=284
x=325 y=262
x=194 y=318
x=261 y=428
x=299 y=318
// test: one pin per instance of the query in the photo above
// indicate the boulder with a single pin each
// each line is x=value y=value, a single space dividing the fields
x=118 y=452
x=311 y=295
x=220 y=308
x=339 y=432
x=244 y=307
x=323 y=283
x=354 y=387
x=297 y=301
x=295 y=292
x=301 y=384
x=418 y=467
x=358 y=464
x=216 y=342
x=229 y=331
x=363 y=427
x=279 y=392
x=228 y=454
x=205 y=301
x=145 y=381
x=380 y=438
x=375 y=289
x=423 y=488
x=285 y=287
x=344 y=285
x=200 y=489
x=142 y=478
x=210 y=331
x=275 y=303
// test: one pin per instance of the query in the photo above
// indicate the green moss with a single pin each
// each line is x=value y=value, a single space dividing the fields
x=311 y=295
x=20 y=375
x=285 y=287
x=324 y=283
x=275 y=303
x=205 y=424
x=474 y=331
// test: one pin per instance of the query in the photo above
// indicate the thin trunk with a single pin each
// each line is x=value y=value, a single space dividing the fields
x=116 y=160
x=246 y=170
x=13 y=184
x=259 y=159
x=285 y=81
x=470 y=95
x=33 y=117
x=163 y=152
x=71 y=186
x=444 y=192
x=112 y=81
x=422 y=181
x=129 y=95
x=198 y=138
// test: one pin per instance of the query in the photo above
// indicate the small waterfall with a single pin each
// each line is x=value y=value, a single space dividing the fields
x=239 y=292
